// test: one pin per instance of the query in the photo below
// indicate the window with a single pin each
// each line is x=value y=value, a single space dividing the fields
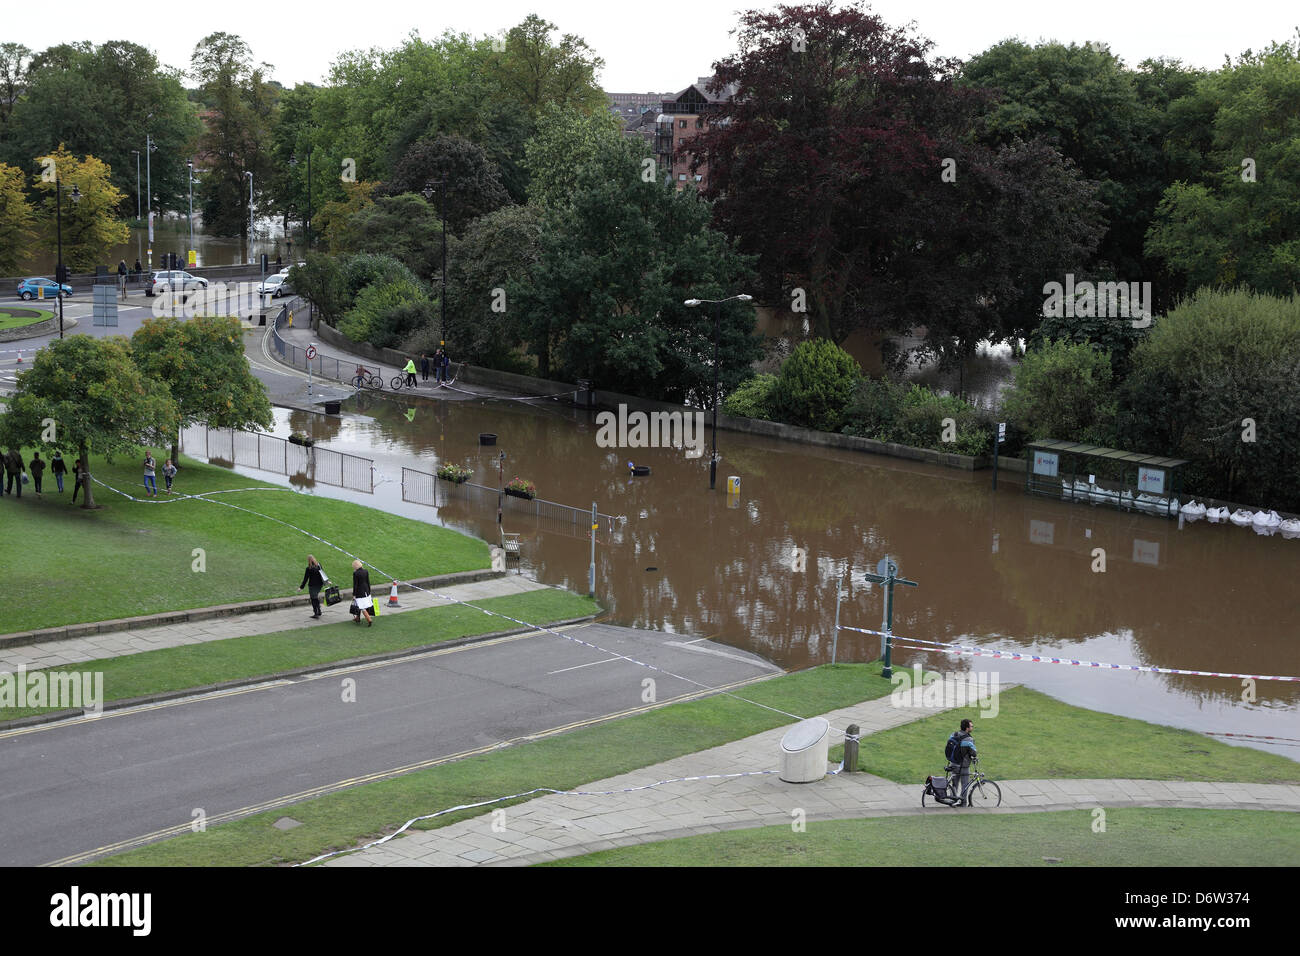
x=698 y=177
x=683 y=124
x=699 y=122
x=681 y=177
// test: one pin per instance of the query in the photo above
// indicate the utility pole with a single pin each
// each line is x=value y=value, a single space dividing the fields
x=717 y=325
x=591 y=573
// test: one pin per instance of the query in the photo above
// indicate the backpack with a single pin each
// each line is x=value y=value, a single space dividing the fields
x=952 y=750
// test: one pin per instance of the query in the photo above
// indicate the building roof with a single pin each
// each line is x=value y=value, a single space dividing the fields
x=1099 y=451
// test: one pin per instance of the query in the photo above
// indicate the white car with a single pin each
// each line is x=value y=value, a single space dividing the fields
x=285 y=270
x=275 y=286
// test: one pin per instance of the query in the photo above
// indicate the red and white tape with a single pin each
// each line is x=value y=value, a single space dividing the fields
x=912 y=643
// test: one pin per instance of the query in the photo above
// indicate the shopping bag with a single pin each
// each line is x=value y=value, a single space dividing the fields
x=332 y=595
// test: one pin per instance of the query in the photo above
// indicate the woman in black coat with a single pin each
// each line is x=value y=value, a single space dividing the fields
x=313 y=579
x=361 y=592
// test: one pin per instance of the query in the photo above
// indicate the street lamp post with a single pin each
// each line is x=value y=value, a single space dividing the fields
x=249 y=174
x=190 y=166
x=306 y=223
x=137 y=202
x=148 y=184
x=75 y=196
x=717 y=324
x=441 y=189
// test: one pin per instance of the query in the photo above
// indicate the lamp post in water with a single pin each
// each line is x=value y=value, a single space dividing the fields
x=717 y=324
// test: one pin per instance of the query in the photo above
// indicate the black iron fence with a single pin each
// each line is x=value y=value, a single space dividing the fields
x=340 y=370
x=303 y=464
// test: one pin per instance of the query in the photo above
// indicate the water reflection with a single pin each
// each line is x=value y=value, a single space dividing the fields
x=995 y=569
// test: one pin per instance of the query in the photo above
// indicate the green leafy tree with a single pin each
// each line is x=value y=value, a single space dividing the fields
x=753 y=398
x=815 y=385
x=101 y=101
x=96 y=398
x=483 y=326
x=1238 y=224
x=238 y=134
x=17 y=220
x=1064 y=390
x=535 y=71
x=322 y=281
x=90 y=225
x=473 y=181
x=14 y=59
x=565 y=140
x=1215 y=383
x=202 y=362
x=405 y=227
x=373 y=317
x=606 y=298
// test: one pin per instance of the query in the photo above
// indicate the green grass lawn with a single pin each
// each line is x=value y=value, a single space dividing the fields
x=578 y=757
x=130 y=558
x=9 y=321
x=1035 y=737
x=1134 y=836
x=198 y=665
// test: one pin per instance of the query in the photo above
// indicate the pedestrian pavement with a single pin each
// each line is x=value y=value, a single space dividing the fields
x=570 y=824
x=120 y=643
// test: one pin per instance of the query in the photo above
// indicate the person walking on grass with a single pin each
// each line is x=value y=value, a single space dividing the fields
x=81 y=478
x=313 y=580
x=150 y=465
x=14 y=471
x=58 y=468
x=169 y=472
x=361 y=599
x=37 y=467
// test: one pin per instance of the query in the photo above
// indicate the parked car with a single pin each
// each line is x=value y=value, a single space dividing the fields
x=159 y=282
x=28 y=289
x=275 y=286
x=285 y=270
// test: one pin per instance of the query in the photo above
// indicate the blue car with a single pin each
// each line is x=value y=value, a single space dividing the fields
x=28 y=289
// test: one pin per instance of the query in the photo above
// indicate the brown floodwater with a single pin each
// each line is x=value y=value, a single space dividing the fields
x=995 y=569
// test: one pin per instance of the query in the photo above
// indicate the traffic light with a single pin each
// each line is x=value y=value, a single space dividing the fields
x=61 y=274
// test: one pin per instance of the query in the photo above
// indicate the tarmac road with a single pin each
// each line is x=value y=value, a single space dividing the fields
x=69 y=791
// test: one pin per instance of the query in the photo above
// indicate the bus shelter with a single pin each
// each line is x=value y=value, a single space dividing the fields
x=1076 y=471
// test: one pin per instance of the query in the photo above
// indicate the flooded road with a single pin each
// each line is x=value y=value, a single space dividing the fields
x=758 y=570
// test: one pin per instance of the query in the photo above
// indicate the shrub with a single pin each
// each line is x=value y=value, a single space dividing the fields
x=753 y=399
x=1064 y=390
x=815 y=385
x=379 y=307
x=915 y=416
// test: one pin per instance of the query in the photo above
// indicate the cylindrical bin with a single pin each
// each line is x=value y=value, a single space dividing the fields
x=804 y=750
x=487 y=438
x=733 y=485
x=332 y=408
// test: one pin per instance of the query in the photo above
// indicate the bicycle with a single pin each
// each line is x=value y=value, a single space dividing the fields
x=982 y=792
x=400 y=381
x=367 y=378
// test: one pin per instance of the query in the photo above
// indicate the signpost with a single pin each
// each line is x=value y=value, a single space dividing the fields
x=311 y=355
x=887 y=574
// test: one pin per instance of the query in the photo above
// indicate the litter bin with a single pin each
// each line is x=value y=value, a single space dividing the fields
x=332 y=408
x=804 y=750
x=487 y=438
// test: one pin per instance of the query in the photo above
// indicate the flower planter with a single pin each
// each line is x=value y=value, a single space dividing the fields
x=514 y=493
x=301 y=440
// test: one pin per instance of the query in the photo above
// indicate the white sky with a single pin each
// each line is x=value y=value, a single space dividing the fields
x=659 y=46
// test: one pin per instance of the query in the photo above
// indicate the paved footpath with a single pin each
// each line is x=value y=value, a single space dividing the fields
x=555 y=826
x=120 y=643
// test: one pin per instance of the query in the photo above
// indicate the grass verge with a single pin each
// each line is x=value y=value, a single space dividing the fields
x=9 y=321
x=578 y=757
x=198 y=665
x=1134 y=836
x=130 y=558
x=1035 y=737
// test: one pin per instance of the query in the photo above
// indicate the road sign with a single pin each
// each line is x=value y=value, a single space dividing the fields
x=884 y=565
x=1002 y=431
x=311 y=352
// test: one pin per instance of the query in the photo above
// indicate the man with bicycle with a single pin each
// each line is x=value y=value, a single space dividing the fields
x=961 y=750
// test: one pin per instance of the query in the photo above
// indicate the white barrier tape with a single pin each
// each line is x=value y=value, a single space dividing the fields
x=529 y=793
x=936 y=646
x=507 y=398
x=443 y=597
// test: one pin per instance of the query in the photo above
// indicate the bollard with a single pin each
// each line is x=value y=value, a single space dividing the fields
x=851 y=748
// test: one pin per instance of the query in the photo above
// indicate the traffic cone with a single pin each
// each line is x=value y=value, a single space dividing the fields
x=20 y=356
x=392 y=596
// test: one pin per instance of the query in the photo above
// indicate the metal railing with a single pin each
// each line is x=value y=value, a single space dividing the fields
x=339 y=370
x=423 y=488
x=302 y=464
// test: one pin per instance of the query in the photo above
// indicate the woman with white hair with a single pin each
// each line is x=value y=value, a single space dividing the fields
x=361 y=599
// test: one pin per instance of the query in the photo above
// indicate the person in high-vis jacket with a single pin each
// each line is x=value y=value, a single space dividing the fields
x=410 y=373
